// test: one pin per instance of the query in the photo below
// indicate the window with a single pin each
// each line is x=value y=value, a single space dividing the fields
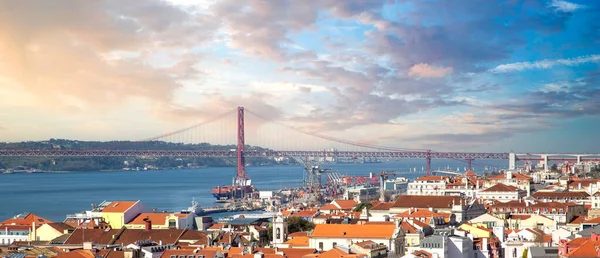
x=278 y=233
x=190 y=256
x=321 y=246
x=514 y=252
x=334 y=244
x=172 y=223
x=173 y=256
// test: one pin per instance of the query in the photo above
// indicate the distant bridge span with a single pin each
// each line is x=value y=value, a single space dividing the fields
x=250 y=153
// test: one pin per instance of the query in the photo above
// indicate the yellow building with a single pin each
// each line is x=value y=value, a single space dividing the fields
x=477 y=229
x=117 y=213
x=50 y=231
x=535 y=221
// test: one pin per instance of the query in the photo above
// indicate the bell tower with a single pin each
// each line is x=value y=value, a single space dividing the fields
x=280 y=228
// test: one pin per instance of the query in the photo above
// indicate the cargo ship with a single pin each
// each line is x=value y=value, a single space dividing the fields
x=228 y=192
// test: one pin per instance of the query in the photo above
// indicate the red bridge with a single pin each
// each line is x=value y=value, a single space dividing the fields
x=274 y=142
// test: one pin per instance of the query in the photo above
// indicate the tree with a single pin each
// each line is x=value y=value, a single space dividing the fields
x=297 y=224
x=361 y=206
x=525 y=252
x=554 y=167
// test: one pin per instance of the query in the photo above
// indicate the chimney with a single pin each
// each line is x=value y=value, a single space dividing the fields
x=33 y=232
x=484 y=244
x=579 y=186
x=148 y=224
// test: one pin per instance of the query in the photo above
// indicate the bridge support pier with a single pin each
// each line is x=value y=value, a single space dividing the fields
x=428 y=160
x=579 y=159
x=545 y=158
x=469 y=161
x=512 y=161
x=241 y=162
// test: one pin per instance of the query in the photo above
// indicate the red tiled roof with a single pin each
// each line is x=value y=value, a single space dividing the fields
x=20 y=219
x=514 y=176
x=296 y=252
x=420 y=213
x=155 y=218
x=298 y=234
x=345 y=204
x=303 y=213
x=422 y=254
x=593 y=221
x=194 y=235
x=418 y=201
x=501 y=188
x=217 y=226
x=384 y=206
x=59 y=226
x=98 y=236
x=431 y=178
x=521 y=217
x=583 y=182
x=206 y=252
x=329 y=207
x=587 y=249
x=298 y=241
x=265 y=250
x=119 y=206
x=335 y=253
x=470 y=173
x=115 y=254
x=77 y=254
x=408 y=228
x=560 y=195
x=577 y=220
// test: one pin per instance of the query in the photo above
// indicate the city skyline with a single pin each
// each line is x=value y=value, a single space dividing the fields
x=443 y=75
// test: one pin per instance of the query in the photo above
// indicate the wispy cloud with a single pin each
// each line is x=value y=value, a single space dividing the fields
x=564 y=6
x=545 y=64
x=425 y=70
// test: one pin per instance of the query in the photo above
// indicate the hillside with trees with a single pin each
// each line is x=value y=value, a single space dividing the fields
x=119 y=163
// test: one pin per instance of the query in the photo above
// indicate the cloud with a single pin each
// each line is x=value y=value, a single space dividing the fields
x=545 y=64
x=99 y=52
x=562 y=99
x=425 y=70
x=564 y=6
x=228 y=61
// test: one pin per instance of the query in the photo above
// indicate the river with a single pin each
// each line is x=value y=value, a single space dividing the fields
x=53 y=195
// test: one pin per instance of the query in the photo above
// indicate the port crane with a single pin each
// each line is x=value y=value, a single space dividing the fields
x=312 y=179
x=384 y=175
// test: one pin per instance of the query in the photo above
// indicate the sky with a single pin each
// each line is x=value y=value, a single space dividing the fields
x=472 y=75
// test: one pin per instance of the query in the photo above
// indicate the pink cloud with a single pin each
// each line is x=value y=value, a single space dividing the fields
x=425 y=70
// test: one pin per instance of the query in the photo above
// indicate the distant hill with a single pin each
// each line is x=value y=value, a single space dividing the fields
x=120 y=163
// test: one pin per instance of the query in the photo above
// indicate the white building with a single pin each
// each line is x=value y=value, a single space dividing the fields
x=328 y=236
x=511 y=178
x=428 y=185
x=447 y=245
x=502 y=193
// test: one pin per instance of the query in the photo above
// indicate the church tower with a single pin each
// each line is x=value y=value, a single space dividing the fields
x=280 y=230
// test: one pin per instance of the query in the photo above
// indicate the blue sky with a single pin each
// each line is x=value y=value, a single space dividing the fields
x=440 y=74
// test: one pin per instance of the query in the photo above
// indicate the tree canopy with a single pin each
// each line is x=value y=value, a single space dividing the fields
x=361 y=206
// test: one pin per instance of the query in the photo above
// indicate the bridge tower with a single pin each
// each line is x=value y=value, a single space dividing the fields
x=428 y=159
x=241 y=162
x=469 y=162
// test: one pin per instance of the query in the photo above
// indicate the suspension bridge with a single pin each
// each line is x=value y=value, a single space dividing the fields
x=267 y=138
